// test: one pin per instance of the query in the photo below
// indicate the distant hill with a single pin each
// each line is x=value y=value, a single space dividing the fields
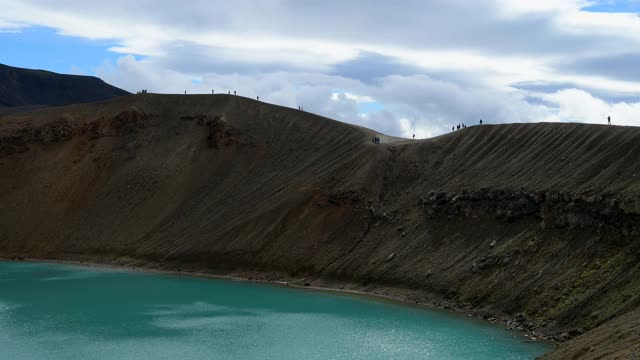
x=26 y=89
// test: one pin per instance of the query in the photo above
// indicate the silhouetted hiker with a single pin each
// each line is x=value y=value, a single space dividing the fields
x=185 y=92
x=458 y=127
x=229 y=92
x=234 y=92
x=609 y=120
x=258 y=98
x=212 y=92
x=414 y=136
x=480 y=121
x=453 y=129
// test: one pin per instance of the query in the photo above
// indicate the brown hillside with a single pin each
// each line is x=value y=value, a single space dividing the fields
x=537 y=223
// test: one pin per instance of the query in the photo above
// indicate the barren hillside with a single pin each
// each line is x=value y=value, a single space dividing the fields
x=536 y=223
x=26 y=89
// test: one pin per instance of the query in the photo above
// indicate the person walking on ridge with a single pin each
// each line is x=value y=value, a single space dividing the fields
x=609 y=120
x=480 y=121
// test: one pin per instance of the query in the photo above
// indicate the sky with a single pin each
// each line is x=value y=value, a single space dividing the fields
x=400 y=67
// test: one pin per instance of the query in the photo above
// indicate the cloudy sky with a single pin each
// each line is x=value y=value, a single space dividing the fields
x=400 y=67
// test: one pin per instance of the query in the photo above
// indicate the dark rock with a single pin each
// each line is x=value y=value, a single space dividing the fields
x=344 y=197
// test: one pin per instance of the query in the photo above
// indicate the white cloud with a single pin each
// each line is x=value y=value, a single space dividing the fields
x=337 y=96
x=445 y=61
x=7 y=26
x=580 y=106
x=519 y=7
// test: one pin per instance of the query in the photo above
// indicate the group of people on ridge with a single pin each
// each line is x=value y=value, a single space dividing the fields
x=461 y=126
x=213 y=93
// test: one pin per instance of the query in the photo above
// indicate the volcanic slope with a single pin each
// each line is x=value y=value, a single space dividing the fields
x=537 y=223
x=26 y=89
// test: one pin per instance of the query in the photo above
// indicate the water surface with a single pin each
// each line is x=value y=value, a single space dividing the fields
x=51 y=311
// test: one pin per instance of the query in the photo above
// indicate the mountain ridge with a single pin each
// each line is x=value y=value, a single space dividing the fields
x=22 y=89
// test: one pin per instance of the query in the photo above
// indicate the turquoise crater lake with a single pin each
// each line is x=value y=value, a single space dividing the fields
x=51 y=311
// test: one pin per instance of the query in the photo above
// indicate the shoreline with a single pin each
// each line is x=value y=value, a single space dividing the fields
x=397 y=296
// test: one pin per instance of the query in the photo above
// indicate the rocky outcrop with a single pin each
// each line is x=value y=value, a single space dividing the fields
x=561 y=210
x=52 y=132
x=126 y=122
x=344 y=197
x=11 y=145
x=219 y=133
x=63 y=129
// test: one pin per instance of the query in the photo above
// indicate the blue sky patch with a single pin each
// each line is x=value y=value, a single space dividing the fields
x=43 y=48
x=629 y=6
x=369 y=107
